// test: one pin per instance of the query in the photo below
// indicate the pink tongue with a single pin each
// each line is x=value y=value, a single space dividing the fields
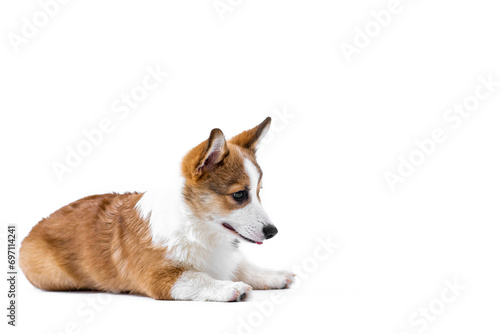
x=258 y=242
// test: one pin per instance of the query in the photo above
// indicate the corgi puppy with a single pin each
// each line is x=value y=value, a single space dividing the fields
x=177 y=244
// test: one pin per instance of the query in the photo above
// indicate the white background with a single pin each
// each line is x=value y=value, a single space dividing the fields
x=324 y=168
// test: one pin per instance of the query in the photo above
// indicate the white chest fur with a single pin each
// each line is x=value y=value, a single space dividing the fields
x=196 y=245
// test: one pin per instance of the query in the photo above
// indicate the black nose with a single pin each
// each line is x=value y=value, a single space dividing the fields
x=270 y=231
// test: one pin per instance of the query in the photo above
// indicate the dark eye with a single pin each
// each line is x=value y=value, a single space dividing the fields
x=240 y=196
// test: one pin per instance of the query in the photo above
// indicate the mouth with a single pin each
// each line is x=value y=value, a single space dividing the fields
x=230 y=228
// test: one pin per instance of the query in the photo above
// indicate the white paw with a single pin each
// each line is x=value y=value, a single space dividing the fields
x=275 y=280
x=289 y=278
x=232 y=292
x=201 y=287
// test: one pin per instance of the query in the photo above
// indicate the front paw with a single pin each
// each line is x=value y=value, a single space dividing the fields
x=289 y=277
x=232 y=292
x=275 y=280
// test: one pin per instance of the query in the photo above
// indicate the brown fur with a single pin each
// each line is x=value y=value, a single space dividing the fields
x=219 y=182
x=97 y=243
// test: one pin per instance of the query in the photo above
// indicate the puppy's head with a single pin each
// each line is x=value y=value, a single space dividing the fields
x=223 y=182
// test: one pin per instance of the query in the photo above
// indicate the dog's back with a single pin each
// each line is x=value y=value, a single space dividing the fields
x=95 y=243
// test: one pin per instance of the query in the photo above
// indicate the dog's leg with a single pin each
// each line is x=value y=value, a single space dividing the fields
x=263 y=279
x=193 y=285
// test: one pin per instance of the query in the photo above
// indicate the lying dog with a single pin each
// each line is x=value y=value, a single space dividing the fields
x=181 y=244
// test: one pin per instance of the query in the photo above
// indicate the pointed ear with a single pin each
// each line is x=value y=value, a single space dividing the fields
x=250 y=139
x=215 y=151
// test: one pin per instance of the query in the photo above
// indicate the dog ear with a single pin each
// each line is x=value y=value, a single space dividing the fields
x=215 y=151
x=250 y=139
